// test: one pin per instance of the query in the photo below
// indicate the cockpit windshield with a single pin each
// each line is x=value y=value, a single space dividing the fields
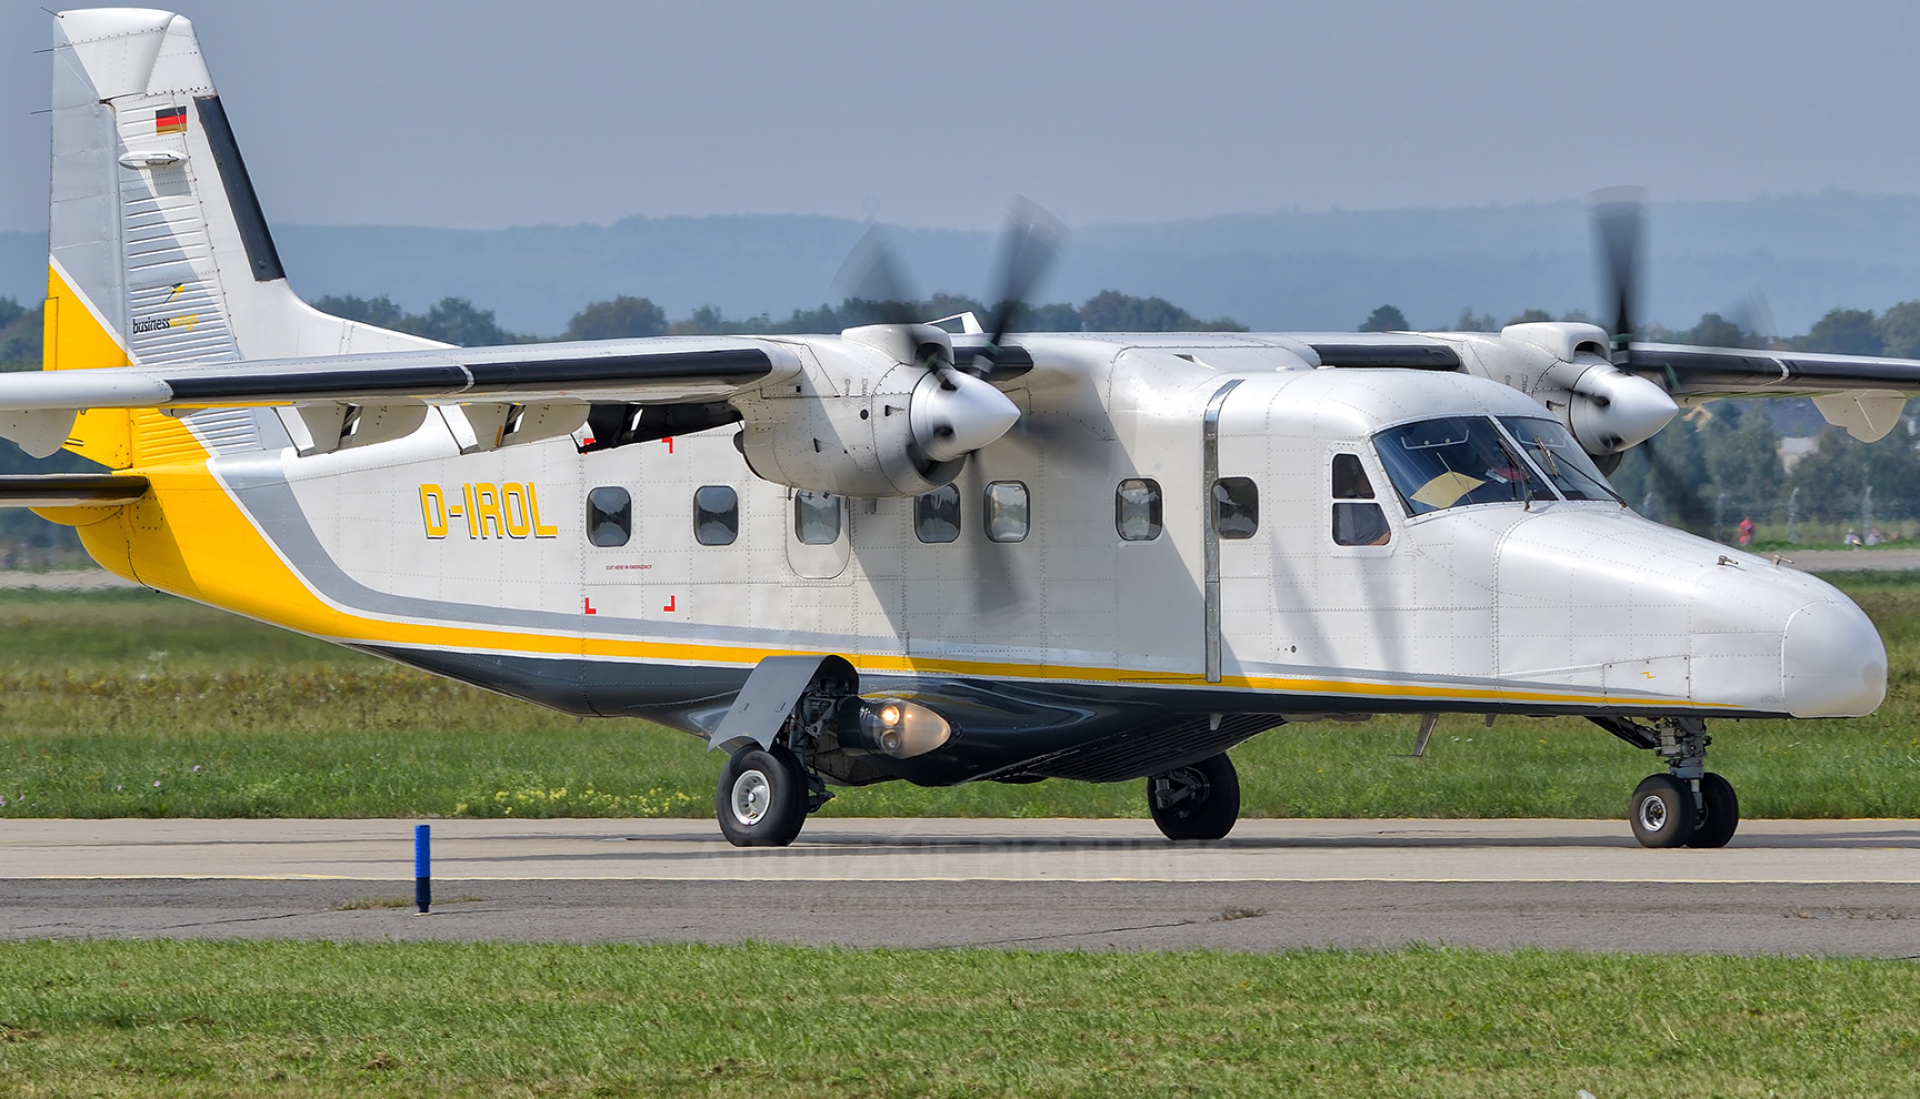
x=1455 y=460
x=1553 y=449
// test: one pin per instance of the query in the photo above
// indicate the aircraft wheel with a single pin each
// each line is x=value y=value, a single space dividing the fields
x=1200 y=801
x=1720 y=815
x=762 y=797
x=1662 y=812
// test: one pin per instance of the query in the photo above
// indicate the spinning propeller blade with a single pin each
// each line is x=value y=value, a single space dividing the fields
x=1028 y=248
x=871 y=274
x=1675 y=490
x=1619 y=229
x=1026 y=252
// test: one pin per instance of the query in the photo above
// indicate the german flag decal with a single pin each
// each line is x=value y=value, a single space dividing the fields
x=172 y=120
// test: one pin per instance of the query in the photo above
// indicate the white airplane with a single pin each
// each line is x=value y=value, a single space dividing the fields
x=906 y=551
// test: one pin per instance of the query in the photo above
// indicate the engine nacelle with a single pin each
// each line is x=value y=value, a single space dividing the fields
x=868 y=418
x=1565 y=366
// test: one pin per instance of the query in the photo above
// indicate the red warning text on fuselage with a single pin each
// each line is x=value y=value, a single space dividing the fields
x=485 y=510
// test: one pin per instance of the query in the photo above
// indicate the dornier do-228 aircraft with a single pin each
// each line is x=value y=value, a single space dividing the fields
x=908 y=551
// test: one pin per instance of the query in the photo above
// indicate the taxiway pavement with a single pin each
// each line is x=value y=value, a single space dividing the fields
x=1798 y=887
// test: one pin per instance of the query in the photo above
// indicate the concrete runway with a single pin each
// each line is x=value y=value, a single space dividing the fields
x=1812 y=887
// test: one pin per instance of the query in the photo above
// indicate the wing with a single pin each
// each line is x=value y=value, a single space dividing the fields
x=1733 y=372
x=1862 y=394
x=331 y=399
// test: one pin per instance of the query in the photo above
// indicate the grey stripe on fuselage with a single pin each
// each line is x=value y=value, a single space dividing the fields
x=258 y=482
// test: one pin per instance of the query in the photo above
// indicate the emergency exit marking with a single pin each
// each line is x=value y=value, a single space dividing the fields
x=587 y=602
x=671 y=599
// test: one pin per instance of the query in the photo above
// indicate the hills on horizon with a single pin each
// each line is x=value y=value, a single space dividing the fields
x=1277 y=271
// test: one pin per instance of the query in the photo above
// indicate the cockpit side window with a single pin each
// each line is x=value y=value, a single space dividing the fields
x=1455 y=460
x=1357 y=519
x=1566 y=464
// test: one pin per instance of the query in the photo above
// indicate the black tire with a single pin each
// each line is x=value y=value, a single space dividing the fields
x=1200 y=801
x=761 y=800
x=1662 y=812
x=1720 y=813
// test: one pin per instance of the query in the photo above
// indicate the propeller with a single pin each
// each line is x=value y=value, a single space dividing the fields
x=963 y=411
x=872 y=275
x=1754 y=316
x=1025 y=253
x=1619 y=229
x=1029 y=247
x=1611 y=410
x=1675 y=490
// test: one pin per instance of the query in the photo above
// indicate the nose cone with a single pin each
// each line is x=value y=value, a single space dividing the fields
x=1604 y=601
x=1832 y=662
x=954 y=414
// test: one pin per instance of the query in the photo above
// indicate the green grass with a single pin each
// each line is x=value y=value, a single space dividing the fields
x=162 y=1018
x=130 y=704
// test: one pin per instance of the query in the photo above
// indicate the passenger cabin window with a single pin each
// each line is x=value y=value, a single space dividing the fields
x=1356 y=520
x=716 y=515
x=1236 y=507
x=816 y=518
x=1453 y=461
x=1136 y=510
x=609 y=516
x=1008 y=512
x=936 y=515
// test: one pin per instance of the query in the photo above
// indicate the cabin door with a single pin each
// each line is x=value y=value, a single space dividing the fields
x=1165 y=613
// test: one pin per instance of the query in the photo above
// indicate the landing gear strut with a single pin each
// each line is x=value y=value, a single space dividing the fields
x=1200 y=801
x=1688 y=806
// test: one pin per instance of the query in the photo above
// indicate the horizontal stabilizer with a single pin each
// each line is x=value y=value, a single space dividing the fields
x=70 y=490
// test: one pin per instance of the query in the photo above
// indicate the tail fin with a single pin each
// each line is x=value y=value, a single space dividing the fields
x=158 y=250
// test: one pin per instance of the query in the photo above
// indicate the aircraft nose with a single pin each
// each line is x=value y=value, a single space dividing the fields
x=1832 y=662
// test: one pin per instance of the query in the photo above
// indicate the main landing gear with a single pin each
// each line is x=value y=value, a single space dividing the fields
x=1200 y=801
x=762 y=797
x=1688 y=806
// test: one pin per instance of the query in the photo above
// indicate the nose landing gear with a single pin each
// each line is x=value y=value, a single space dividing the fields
x=1687 y=807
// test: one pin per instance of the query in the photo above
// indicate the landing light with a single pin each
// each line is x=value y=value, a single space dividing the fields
x=892 y=727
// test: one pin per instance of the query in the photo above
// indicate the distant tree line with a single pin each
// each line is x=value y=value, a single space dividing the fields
x=457 y=321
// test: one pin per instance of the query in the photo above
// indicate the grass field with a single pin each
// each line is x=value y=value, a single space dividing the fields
x=291 y=1019
x=130 y=703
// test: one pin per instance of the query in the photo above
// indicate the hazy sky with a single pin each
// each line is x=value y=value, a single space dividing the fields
x=484 y=113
